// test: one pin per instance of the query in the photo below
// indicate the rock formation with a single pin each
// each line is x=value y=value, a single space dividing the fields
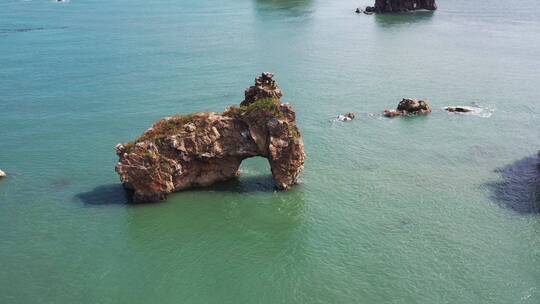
x=409 y=107
x=2 y=174
x=394 y=6
x=200 y=149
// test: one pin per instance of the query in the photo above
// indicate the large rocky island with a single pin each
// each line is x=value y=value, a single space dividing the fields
x=200 y=149
x=394 y=6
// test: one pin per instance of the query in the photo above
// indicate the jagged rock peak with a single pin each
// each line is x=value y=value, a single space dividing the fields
x=265 y=87
x=200 y=149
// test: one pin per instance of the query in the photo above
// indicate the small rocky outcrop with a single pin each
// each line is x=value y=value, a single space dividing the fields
x=2 y=174
x=409 y=106
x=200 y=149
x=394 y=6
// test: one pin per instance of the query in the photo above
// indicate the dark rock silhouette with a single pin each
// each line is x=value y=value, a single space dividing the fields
x=394 y=6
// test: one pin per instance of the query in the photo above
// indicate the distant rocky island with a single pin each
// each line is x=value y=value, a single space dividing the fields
x=408 y=107
x=394 y=6
x=200 y=149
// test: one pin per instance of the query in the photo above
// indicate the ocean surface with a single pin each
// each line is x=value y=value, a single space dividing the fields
x=436 y=209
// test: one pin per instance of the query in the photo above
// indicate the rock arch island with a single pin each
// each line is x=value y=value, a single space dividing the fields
x=200 y=149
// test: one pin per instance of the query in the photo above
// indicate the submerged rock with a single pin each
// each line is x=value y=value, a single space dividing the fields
x=200 y=149
x=391 y=113
x=394 y=6
x=346 y=117
x=459 y=109
x=409 y=106
x=2 y=174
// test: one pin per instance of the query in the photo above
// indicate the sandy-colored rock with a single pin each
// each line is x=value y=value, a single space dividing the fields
x=200 y=149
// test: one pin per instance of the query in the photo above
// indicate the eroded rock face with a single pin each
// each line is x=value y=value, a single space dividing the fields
x=200 y=149
x=393 y=6
x=409 y=106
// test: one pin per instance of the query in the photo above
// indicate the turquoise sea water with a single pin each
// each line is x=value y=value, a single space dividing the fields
x=436 y=209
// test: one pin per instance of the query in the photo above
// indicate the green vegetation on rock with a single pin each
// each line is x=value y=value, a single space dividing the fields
x=256 y=111
x=161 y=129
x=267 y=106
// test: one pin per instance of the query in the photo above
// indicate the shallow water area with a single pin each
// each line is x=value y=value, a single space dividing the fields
x=440 y=208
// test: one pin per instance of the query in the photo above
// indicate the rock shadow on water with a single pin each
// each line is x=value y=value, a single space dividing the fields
x=519 y=189
x=113 y=194
x=116 y=194
x=407 y=18
x=243 y=184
